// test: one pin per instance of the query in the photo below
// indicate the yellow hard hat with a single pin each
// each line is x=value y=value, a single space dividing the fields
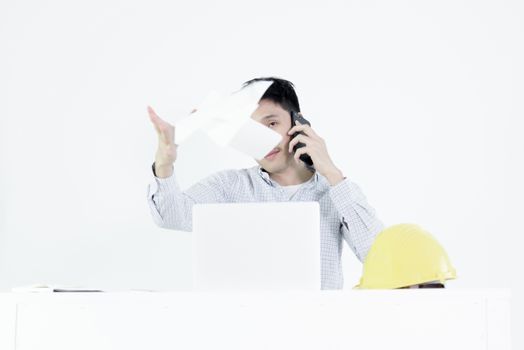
x=405 y=255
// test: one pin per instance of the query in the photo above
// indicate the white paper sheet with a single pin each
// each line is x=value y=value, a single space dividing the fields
x=255 y=139
x=226 y=119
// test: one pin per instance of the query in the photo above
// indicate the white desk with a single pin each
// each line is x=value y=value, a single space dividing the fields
x=411 y=319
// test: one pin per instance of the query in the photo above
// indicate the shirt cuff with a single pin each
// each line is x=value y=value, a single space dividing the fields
x=165 y=185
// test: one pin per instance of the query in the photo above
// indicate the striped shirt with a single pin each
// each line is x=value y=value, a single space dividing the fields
x=344 y=211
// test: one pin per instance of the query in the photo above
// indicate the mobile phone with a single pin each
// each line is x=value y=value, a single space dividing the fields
x=303 y=157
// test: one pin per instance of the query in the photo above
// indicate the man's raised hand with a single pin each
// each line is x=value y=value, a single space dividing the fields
x=167 y=149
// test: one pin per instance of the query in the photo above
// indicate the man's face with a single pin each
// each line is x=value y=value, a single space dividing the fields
x=275 y=117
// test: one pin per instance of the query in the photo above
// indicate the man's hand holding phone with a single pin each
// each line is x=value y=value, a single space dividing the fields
x=314 y=146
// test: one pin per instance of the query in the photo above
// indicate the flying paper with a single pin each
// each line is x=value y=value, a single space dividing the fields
x=226 y=119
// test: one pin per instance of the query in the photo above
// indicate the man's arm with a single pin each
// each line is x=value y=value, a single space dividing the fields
x=359 y=224
x=172 y=208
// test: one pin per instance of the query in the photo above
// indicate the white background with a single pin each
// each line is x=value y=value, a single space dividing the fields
x=419 y=103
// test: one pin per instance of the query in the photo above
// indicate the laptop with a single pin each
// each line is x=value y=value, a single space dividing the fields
x=256 y=246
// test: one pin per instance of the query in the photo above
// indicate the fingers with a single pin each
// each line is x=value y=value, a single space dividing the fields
x=299 y=138
x=155 y=119
x=304 y=128
x=299 y=152
x=159 y=123
x=152 y=115
x=165 y=131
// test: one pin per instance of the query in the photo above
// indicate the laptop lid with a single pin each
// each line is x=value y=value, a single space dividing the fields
x=256 y=246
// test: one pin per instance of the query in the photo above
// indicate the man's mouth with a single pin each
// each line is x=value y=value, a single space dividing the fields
x=275 y=151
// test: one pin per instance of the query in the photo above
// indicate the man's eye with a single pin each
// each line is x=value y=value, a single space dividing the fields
x=272 y=123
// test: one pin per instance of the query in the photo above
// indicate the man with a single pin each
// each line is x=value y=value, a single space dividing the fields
x=280 y=176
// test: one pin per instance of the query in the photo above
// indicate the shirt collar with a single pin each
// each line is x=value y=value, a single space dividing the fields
x=265 y=176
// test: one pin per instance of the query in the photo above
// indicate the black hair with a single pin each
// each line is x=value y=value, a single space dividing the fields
x=281 y=92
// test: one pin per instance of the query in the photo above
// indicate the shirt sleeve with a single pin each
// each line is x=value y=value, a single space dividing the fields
x=172 y=208
x=359 y=223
